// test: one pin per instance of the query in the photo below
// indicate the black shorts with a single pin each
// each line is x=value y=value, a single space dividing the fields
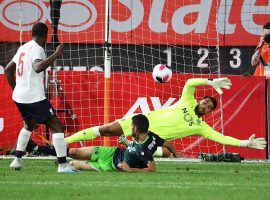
x=40 y=111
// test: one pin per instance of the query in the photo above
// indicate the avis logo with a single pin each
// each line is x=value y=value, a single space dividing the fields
x=142 y=104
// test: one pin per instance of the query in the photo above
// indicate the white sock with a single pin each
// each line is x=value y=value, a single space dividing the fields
x=23 y=139
x=59 y=144
x=96 y=131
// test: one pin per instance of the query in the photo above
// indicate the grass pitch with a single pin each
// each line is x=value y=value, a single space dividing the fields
x=39 y=180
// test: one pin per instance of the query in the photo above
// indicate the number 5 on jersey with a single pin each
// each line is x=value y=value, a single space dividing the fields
x=20 y=65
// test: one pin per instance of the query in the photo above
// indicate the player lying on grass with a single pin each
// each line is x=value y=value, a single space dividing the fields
x=136 y=157
x=182 y=119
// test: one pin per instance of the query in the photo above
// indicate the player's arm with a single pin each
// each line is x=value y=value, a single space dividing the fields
x=161 y=142
x=151 y=167
x=123 y=140
x=257 y=54
x=41 y=65
x=252 y=142
x=190 y=86
x=217 y=84
x=9 y=72
x=171 y=148
x=256 y=58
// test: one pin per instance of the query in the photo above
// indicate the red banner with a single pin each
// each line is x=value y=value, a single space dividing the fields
x=181 y=22
x=243 y=106
x=10 y=121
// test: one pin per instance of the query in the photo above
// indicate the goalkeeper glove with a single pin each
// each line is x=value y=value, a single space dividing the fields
x=123 y=140
x=218 y=83
x=258 y=143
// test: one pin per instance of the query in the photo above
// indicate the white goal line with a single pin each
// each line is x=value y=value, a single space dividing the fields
x=183 y=160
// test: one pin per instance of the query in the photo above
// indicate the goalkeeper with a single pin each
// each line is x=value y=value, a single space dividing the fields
x=182 y=119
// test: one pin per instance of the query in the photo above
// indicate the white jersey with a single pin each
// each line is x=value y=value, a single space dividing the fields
x=29 y=84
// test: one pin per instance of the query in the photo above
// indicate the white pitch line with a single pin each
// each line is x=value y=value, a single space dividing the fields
x=215 y=171
x=172 y=160
x=131 y=184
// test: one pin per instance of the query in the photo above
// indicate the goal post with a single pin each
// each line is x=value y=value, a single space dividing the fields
x=107 y=66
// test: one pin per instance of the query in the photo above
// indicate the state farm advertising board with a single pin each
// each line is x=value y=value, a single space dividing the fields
x=176 y=22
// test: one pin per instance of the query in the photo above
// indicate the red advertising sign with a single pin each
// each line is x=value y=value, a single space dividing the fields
x=175 y=22
x=243 y=107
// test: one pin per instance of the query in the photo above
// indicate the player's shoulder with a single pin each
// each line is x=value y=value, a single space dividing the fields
x=33 y=47
x=152 y=134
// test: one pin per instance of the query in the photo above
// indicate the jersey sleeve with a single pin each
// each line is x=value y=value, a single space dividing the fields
x=38 y=53
x=189 y=88
x=159 y=140
x=211 y=134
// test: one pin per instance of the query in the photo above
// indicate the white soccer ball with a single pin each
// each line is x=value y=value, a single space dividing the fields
x=162 y=73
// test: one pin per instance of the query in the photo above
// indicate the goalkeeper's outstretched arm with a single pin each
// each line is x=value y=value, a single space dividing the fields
x=217 y=84
x=252 y=142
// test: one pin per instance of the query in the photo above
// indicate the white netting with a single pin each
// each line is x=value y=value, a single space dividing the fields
x=181 y=34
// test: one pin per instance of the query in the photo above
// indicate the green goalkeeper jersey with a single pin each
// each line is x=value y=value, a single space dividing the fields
x=180 y=119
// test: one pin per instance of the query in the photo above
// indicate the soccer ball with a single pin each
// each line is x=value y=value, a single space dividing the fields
x=162 y=73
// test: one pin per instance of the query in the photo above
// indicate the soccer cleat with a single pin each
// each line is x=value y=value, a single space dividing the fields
x=16 y=164
x=66 y=168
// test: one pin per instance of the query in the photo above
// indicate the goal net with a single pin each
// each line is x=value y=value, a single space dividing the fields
x=137 y=36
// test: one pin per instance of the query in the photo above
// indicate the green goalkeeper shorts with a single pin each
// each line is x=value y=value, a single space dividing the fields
x=102 y=158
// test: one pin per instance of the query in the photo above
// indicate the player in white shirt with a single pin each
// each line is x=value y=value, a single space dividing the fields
x=29 y=63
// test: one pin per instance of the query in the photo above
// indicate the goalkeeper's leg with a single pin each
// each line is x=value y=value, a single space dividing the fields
x=111 y=129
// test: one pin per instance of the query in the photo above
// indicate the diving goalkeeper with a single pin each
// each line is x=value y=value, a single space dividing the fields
x=182 y=119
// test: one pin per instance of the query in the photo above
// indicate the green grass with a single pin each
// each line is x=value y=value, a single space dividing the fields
x=39 y=180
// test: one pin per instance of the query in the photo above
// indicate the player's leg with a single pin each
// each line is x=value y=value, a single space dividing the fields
x=59 y=143
x=43 y=113
x=83 y=153
x=162 y=152
x=81 y=165
x=46 y=149
x=23 y=138
x=165 y=152
x=111 y=129
x=102 y=158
